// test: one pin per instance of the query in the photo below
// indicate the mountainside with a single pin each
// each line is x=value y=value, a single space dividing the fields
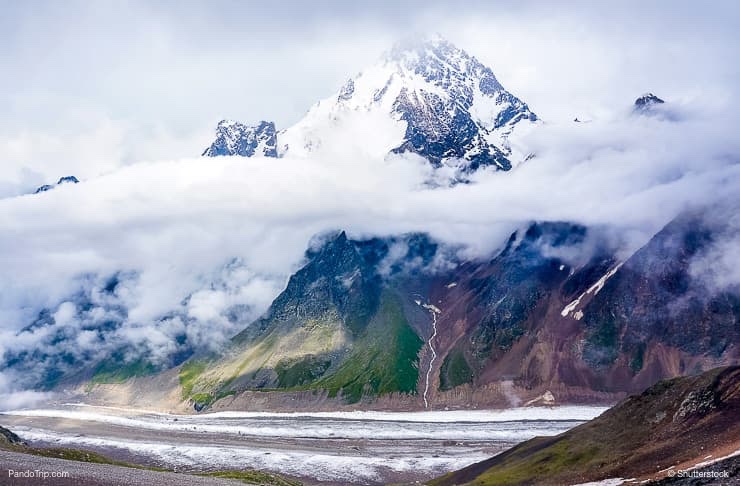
x=675 y=425
x=372 y=321
x=337 y=328
x=655 y=294
x=52 y=359
x=444 y=104
x=567 y=326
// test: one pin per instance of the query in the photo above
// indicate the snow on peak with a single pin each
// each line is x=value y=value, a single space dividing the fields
x=235 y=138
x=425 y=96
x=442 y=64
x=646 y=101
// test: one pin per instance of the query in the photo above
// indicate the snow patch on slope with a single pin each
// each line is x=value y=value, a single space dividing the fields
x=594 y=289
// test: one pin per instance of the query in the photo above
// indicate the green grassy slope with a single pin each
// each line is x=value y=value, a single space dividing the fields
x=454 y=371
x=383 y=360
x=303 y=355
x=113 y=371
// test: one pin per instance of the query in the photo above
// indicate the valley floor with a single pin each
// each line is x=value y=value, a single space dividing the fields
x=318 y=448
x=88 y=474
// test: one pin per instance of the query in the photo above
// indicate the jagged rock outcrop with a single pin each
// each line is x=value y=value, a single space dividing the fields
x=234 y=138
x=646 y=103
x=62 y=180
x=8 y=437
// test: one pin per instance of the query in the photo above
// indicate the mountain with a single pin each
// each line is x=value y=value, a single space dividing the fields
x=442 y=103
x=95 y=309
x=558 y=315
x=62 y=180
x=657 y=297
x=604 y=323
x=54 y=357
x=647 y=103
x=336 y=328
x=234 y=138
x=680 y=424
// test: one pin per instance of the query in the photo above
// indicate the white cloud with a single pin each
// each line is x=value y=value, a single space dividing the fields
x=174 y=222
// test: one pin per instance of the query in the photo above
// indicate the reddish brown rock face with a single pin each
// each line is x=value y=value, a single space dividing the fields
x=587 y=332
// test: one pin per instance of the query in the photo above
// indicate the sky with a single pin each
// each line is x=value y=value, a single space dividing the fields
x=126 y=95
x=90 y=86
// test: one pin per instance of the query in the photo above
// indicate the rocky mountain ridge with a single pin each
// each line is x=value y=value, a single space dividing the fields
x=234 y=138
x=61 y=181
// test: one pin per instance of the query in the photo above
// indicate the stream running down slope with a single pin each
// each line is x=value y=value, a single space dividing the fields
x=433 y=310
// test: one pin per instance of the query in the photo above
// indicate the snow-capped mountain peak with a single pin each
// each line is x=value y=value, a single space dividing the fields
x=647 y=102
x=235 y=138
x=445 y=66
x=439 y=101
